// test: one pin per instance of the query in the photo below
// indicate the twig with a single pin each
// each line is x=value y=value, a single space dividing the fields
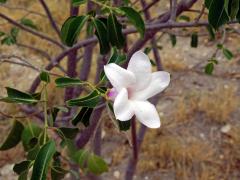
x=31 y=31
x=200 y=14
x=49 y=15
x=23 y=9
x=173 y=9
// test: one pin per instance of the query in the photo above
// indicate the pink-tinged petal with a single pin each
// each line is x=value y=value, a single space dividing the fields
x=146 y=113
x=122 y=106
x=141 y=66
x=112 y=93
x=118 y=76
x=160 y=80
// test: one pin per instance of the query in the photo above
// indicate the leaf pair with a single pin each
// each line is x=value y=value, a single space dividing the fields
x=16 y=96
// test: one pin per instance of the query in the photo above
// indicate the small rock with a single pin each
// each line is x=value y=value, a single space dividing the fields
x=225 y=129
x=116 y=174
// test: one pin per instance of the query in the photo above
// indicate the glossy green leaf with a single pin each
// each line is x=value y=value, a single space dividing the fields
x=42 y=161
x=8 y=41
x=227 y=53
x=234 y=9
x=29 y=23
x=115 y=34
x=13 y=137
x=124 y=125
x=32 y=153
x=23 y=175
x=2 y=33
x=97 y=165
x=72 y=28
x=209 y=68
x=211 y=32
x=63 y=82
x=54 y=112
x=217 y=14
x=115 y=58
x=83 y=116
x=194 y=40
x=184 y=18
x=58 y=173
x=81 y=157
x=78 y=2
x=3 y=1
x=69 y=133
x=44 y=76
x=101 y=33
x=16 y=96
x=173 y=39
x=90 y=100
x=30 y=132
x=14 y=32
x=21 y=167
x=135 y=18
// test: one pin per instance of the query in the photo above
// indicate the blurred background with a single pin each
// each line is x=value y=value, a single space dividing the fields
x=200 y=134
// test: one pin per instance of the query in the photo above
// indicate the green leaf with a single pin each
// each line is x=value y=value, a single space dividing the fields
x=58 y=173
x=28 y=22
x=184 y=18
x=44 y=76
x=72 y=28
x=78 y=2
x=23 y=175
x=135 y=18
x=83 y=116
x=194 y=40
x=211 y=32
x=90 y=100
x=8 y=41
x=209 y=68
x=227 y=53
x=69 y=133
x=30 y=132
x=115 y=34
x=115 y=58
x=54 y=112
x=101 y=33
x=217 y=15
x=2 y=33
x=14 y=33
x=42 y=161
x=124 y=125
x=21 y=167
x=97 y=165
x=81 y=157
x=234 y=9
x=32 y=153
x=17 y=96
x=3 y=1
x=13 y=137
x=173 y=39
x=63 y=82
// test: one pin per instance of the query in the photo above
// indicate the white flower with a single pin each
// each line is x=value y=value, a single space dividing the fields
x=132 y=88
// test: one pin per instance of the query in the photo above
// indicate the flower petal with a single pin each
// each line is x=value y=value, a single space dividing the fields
x=122 y=106
x=146 y=113
x=118 y=76
x=141 y=66
x=160 y=80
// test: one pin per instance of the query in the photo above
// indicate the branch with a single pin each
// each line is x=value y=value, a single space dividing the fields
x=173 y=8
x=23 y=9
x=49 y=15
x=31 y=31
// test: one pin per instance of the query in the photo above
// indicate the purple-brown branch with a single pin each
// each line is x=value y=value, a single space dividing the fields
x=49 y=15
x=31 y=31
